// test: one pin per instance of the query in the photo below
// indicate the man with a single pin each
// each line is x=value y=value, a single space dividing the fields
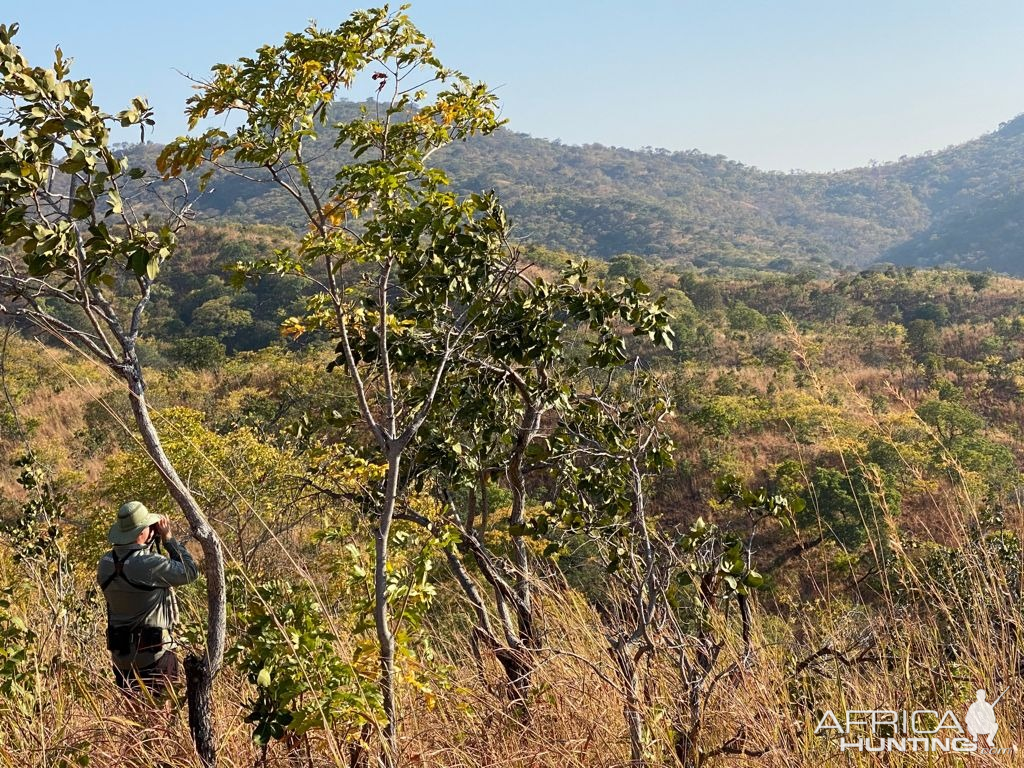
x=141 y=609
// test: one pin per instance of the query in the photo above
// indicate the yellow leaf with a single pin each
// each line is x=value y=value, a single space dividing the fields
x=292 y=328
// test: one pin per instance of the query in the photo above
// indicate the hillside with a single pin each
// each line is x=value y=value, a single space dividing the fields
x=461 y=503
x=959 y=206
x=898 y=438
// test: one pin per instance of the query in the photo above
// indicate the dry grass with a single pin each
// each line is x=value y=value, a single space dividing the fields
x=912 y=645
x=891 y=630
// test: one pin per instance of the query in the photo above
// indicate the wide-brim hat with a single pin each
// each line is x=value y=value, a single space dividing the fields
x=132 y=519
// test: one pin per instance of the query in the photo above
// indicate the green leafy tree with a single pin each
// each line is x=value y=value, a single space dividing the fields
x=406 y=267
x=630 y=267
x=705 y=294
x=412 y=280
x=77 y=241
x=199 y=352
x=713 y=570
x=979 y=281
x=951 y=420
x=18 y=664
x=923 y=339
x=290 y=656
x=960 y=444
x=217 y=318
x=744 y=318
x=850 y=507
x=609 y=448
x=545 y=339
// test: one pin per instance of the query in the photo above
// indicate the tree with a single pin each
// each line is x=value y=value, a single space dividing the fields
x=415 y=283
x=930 y=310
x=619 y=447
x=979 y=281
x=923 y=338
x=630 y=267
x=76 y=239
x=386 y=222
x=960 y=444
x=199 y=352
x=218 y=319
x=712 y=569
x=549 y=347
x=851 y=506
x=951 y=421
x=704 y=294
x=744 y=318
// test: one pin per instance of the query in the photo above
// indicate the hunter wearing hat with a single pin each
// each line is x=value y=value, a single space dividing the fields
x=136 y=581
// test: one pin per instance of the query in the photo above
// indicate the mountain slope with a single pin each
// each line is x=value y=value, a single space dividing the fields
x=959 y=206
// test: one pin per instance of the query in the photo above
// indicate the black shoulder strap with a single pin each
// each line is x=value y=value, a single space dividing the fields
x=119 y=573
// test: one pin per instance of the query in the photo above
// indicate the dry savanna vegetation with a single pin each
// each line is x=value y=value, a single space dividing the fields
x=460 y=500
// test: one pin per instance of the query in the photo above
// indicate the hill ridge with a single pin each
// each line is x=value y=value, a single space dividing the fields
x=956 y=206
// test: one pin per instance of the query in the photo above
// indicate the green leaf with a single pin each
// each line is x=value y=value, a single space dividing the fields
x=74 y=163
x=263 y=678
x=114 y=197
x=80 y=209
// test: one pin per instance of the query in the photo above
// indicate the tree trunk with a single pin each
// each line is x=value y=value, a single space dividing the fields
x=381 y=617
x=687 y=751
x=518 y=667
x=517 y=484
x=621 y=654
x=200 y=720
x=199 y=694
x=358 y=752
x=515 y=659
x=518 y=663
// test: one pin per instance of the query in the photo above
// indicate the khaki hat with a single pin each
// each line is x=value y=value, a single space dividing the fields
x=132 y=519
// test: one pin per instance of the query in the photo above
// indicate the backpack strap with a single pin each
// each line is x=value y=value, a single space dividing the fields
x=118 y=564
x=119 y=573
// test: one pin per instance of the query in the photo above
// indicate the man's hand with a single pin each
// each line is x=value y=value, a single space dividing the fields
x=163 y=528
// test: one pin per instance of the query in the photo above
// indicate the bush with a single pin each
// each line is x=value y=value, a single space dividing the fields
x=200 y=353
x=302 y=682
x=850 y=505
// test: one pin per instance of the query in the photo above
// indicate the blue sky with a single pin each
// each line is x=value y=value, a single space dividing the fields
x=780 y=84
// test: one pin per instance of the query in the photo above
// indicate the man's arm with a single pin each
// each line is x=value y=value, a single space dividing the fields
x=180 y=557
x=175 y=570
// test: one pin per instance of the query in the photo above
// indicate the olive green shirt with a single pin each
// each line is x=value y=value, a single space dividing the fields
x=129 y=606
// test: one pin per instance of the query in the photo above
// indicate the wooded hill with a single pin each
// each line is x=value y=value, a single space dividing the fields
x=960 y=206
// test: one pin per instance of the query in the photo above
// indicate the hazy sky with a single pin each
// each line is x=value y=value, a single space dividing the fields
x=780 y=84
